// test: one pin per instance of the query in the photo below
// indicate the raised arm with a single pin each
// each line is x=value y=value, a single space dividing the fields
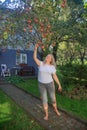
x=35 y=55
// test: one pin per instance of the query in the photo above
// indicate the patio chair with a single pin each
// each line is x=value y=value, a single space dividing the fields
x=4 y=70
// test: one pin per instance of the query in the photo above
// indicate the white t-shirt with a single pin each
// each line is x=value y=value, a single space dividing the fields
x=45 y=73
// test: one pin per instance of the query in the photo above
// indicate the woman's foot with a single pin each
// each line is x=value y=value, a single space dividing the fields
x=46 y=118
x=57 y=112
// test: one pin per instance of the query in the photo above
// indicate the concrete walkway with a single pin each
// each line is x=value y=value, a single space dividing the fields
x=33 y=107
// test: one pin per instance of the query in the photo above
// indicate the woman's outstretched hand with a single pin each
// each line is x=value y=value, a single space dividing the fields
x=36 y=46
x=60 y=89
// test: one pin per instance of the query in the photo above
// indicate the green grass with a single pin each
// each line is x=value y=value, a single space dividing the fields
x=73 y=106
x=12 y=117
x=76 y=107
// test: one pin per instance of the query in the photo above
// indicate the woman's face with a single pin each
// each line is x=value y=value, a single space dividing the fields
x=48 y=58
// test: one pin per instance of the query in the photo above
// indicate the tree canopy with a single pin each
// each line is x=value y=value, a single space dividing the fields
x=55 y=25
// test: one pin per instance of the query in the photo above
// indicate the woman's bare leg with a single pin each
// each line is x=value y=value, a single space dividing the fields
x=55 y=109
x=45 y=106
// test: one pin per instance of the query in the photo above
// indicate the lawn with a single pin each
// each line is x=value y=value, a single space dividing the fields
x=12 y=117
x=74 y=106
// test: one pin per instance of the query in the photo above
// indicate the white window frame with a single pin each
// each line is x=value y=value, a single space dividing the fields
x=21 y=58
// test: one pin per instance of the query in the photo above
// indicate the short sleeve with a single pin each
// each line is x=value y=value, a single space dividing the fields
x=41 y=62
x=53 y=70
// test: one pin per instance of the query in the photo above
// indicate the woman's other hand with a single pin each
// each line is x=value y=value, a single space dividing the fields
x=60 y=89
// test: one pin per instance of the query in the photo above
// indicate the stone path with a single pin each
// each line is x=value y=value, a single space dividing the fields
x=33 y=107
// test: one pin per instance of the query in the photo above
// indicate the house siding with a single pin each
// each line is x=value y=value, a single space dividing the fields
x=8 y=57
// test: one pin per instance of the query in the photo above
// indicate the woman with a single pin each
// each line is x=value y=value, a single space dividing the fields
x=46 y=74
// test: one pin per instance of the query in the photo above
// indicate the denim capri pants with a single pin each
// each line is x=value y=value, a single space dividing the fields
x=47 y=88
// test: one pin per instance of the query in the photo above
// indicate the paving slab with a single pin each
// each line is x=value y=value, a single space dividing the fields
x=33 y=107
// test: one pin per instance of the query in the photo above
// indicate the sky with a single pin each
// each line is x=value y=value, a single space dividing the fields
x=4 y=0
x=13 y=4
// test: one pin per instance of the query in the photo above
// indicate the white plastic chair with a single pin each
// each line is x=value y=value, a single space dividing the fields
x=4 y=70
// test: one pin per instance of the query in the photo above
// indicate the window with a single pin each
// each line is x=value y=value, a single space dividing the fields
x=21 y=58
